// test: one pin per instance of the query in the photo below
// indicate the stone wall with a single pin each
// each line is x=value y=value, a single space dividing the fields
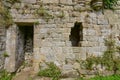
x=53 y=20
x=2 y=46
x=20 y=52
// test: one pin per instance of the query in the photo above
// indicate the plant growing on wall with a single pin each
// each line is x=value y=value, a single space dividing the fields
x=6 y=18
x=97 y=4
x=5 y=54
x=100 y=4
x=109 y=4
x=42 y=12
x=110 y=59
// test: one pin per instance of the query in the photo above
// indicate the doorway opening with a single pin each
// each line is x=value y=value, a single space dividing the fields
x=24 y=46
x=28 y=38
x=76 y=34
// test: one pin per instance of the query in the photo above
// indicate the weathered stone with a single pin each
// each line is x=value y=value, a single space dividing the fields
x=10 y=49
x=50 y=1
x=76 y=66
x=113 y=18
x=66 y=1
x=28 y=1
x=52 y=30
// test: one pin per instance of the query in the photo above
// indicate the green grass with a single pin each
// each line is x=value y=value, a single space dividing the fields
x=52 y=71
x=112 y=77
x=4 y=75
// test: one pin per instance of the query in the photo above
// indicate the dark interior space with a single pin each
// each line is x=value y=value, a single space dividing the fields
x=76 y=34
x=28 y=38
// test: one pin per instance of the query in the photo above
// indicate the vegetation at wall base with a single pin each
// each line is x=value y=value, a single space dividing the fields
x=111 y=77
x=109 y=61
x=52 y=71
x=4 y=75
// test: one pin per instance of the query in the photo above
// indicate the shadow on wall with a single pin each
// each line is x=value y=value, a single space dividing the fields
x=76 y=34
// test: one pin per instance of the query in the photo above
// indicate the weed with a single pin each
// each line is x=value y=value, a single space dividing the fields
x=4 y=75
x=36 y=23
x=52 y=71
x=42 y=12
x=6 y=18
x=109 y=60
x=61 y=15
x=112 y=77
x=5 y=54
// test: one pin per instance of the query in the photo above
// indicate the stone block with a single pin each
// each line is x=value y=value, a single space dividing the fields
x=57 y=50
x=61 y=58
x=67 y=67
x=91 y=32
x=92 y=44
x=93 y=38
x=56 y=35
x=70 y=55
x=50 y=1
x=69 y=25
x=37 y=43
x=46 y=43
x=66 y=1
x=102 y=22
x=113 y=18
x=68 y=43
x=93 y=50
x=76 y=49
x=83 y=52
x=84 y=43
x=50 y=57
x=76 y=66
x=44 y=30
x=2 y=31
x=92 y=15
x=28 y=1
x=59 y=44
x=46 y=50
x=67 y=50
x=50 y=26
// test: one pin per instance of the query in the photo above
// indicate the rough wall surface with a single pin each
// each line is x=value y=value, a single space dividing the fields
x=2 y=46
x=53 y=20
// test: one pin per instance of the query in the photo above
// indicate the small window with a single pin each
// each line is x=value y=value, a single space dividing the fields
x=76 y=34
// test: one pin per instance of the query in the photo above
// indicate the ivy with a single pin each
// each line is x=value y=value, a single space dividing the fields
x=109 y=4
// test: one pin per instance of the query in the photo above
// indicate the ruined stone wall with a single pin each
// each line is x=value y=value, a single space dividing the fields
x=53 y=20
x=2 y=46
x=20 y=47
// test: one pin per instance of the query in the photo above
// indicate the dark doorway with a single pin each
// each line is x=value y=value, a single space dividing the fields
x=27 y=32
x=24 y=43
x=76 y=34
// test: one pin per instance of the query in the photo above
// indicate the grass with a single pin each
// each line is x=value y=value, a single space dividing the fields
x=52 y=71
x=4 y=75
x=112 y=77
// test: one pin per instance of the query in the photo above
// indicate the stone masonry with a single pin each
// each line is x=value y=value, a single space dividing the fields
x=2 y=45
x=52 y=21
